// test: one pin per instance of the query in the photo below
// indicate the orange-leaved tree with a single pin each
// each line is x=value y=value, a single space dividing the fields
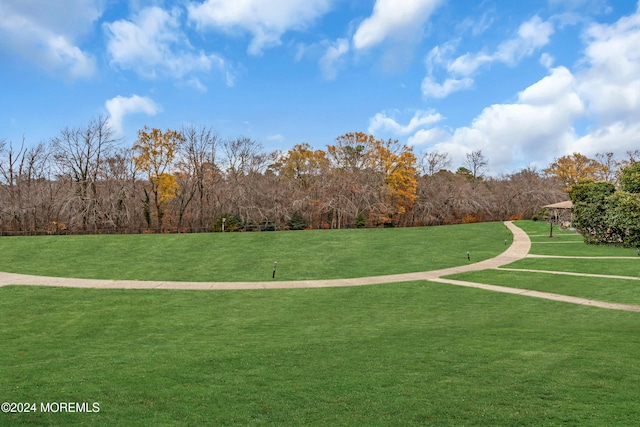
x=398 y=164
x=155 y=153
x=380 y=174
x=574 y=168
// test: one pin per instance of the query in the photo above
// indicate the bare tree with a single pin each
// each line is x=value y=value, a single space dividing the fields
x=23 y=172
x=198 y=170
x=435 y=161
x=477 y=164
x=120 y=190
x=608 y=167
x=79 y=154
x=245 y=163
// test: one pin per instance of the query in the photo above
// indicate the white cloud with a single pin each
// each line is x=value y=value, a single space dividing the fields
x=44 y=33
x=426 y=137
x=332 y=57
x=196 y=84
x=153 y=44
x=611 y=81
x=381 y=122
x=121 y=106
x=433 y=89
x=266 y=21
x=603 y=95
x=393 y=19
x=538 y=126
x=618 y=138
x=532 y=35
x=467 y=64
x=547 y=60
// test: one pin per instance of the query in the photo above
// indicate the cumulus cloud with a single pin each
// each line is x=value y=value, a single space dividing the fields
x=264 y=20
x=393 y=19
x=152 y=44
x=121 y=106
x=426 y=137
x=611 y=80
x=538 y=126
x=381 y=122
x=604 y=93
x=44 y=33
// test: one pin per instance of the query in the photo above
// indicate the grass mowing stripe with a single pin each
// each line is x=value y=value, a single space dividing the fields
x=601 y=289
x=312 y=254
x=616 y=267
x=405 y=354
x=536 y=232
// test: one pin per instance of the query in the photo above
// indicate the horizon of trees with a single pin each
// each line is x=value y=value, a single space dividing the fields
x=84 y=181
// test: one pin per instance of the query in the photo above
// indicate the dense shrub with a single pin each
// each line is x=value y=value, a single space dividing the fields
x=297 y=221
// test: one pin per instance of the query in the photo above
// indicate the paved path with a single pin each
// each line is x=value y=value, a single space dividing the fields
x=519 y=249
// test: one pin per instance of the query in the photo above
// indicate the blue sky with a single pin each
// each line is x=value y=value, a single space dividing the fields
x=522 y=81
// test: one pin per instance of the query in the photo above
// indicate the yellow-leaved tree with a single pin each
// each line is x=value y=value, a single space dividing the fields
x=155 y=153
x=379 y=176
x=398 y=164
x=573 y=169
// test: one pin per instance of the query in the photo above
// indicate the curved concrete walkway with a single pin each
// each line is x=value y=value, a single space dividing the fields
x=519 y=249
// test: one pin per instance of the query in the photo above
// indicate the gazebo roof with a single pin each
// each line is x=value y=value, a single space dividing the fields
x=562 y=205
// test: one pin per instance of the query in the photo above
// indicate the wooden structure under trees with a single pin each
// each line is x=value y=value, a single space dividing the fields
x=560 y=213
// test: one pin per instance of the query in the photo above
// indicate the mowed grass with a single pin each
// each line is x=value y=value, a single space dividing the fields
x=311 y=254
x=406 y=354
x=597 y=288
x=563 y=246
x=611 y=290
x=615 y=267
x=566 y=242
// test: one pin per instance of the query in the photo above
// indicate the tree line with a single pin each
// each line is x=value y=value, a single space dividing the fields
x=84 y=180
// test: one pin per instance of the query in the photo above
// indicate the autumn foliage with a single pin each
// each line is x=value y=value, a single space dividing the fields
x=191 y=180
x=155 y=152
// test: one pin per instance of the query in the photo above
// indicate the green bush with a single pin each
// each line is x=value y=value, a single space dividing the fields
x=630 y=178
x=231 y=223
x=297 y=221
x=590 y=209
x=267 y=225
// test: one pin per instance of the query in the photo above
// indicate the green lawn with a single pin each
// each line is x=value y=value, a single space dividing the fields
x=616 y=267
x=566 y=242
x=566 y=247
x=406 y=354
x=314 y=254
x=610 y=290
